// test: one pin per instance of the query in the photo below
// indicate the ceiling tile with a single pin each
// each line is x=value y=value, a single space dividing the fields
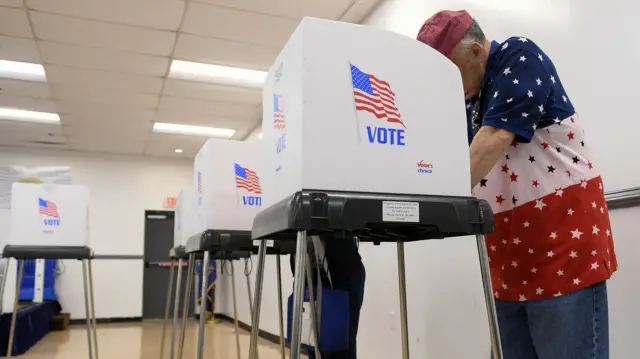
x=209 y=92
x=102 y=59
x=158 y=14
x=14 y=22
x=106 y=145
x=97 y=130
x=27 y=103
x=32 y=135
x=79 y=112
x=190 y=107
x=223 y=52
x=99 y=34
x=102 y=79
x=164 y=145
x=16 y=49
x=25 y=88
x=359 y=11
x=104 y=97
x=295 y=9
x=11 y=3
x=232 y=24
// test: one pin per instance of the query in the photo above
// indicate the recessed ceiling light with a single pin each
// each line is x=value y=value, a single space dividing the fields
x=22 y=71
x=204 y=131
x=13 y=114
x=178 y=150
x=196 y=71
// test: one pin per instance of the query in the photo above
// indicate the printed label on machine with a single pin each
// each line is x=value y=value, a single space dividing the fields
x=393 y=211
x=256 y=242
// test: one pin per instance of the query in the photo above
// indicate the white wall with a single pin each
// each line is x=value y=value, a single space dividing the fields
x=122 y=188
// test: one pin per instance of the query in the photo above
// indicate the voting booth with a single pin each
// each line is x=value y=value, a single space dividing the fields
x=364 y=134
x=51 y=222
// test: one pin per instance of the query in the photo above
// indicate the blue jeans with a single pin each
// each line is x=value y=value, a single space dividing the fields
x=572 y=326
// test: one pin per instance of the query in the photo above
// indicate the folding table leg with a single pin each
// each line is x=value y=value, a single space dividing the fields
x=494 y=330
x=235 y=308
x=85 y=278
x=280 y=318
x=203 y=303
x=404 y=327
x=185 y=305
x=94 y=325
x=167 y=309
x=255 y=320
x=298 y=294
x=12 y=330
x=247 y=275
x=176 y=307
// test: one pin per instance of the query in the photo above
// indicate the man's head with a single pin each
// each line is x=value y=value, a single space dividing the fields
x=458 y=36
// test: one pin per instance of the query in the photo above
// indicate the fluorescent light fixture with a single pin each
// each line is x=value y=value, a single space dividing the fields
x=13 y=114
x=178 y=150
x=175 y=128
x=195 y=71
x=22 y=71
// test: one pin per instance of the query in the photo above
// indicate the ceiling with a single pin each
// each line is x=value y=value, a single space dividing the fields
x=107 y=63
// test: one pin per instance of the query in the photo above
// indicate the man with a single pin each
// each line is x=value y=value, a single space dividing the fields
x=552 y=250
x=345 y=267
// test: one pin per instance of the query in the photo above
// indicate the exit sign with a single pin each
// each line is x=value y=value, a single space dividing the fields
x=170 y=202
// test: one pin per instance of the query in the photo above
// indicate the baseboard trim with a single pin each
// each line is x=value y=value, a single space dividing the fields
x=275 y=339
x=108 y=320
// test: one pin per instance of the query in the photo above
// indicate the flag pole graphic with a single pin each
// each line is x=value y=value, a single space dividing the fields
x=354 y=106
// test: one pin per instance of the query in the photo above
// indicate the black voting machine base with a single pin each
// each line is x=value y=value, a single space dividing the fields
x=360 y=214
x=48 y=252
x=343 y=215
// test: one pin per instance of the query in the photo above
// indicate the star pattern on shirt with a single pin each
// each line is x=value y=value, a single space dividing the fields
x=551 y=222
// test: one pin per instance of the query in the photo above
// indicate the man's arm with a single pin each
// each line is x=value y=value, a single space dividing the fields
x=488 y=145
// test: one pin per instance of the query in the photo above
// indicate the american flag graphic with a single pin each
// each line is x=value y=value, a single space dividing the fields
x=48 y=208
x=199 y=188
x=278 y=113
x=374 y=95
x=247 y=179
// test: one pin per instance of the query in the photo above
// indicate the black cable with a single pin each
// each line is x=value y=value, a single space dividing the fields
x=247 y=262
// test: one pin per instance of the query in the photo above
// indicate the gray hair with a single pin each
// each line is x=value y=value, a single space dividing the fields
x=473 y=34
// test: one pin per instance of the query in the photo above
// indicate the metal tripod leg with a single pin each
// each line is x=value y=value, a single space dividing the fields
x=203 y=303
x=176 y=307
x=235 y=309
x=314 y=310
x=255 y=320
x=167 y=309
x=496 y=346
x=298 y=294
x=12 y=330
x=247 y=274
x=4 y=282
x=94 y=325
x=280 y=318
x=185 y=305
x=404 y=327
x=86 y=305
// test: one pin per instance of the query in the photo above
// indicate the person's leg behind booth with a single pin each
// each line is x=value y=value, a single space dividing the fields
x=354 y=284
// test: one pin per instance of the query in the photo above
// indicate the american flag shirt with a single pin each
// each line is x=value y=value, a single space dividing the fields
x=552 y=231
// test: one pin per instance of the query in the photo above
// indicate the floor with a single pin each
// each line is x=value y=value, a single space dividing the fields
x=142 y=341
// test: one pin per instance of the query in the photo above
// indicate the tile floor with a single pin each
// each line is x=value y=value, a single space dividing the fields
x=142 y=341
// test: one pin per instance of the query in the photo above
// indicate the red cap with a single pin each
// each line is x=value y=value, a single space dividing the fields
x=444 y=30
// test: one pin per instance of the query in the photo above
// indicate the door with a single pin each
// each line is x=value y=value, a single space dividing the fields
x=158 y=240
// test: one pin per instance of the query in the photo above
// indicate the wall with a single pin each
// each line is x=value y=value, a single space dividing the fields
x=122 y=188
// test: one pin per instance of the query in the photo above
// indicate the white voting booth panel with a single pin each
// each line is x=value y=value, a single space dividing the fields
x=228 y=185
x=356 y=108
x=186 y=216
x=49 y=215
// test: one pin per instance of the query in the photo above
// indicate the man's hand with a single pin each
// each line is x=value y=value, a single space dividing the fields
x=488 y=145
